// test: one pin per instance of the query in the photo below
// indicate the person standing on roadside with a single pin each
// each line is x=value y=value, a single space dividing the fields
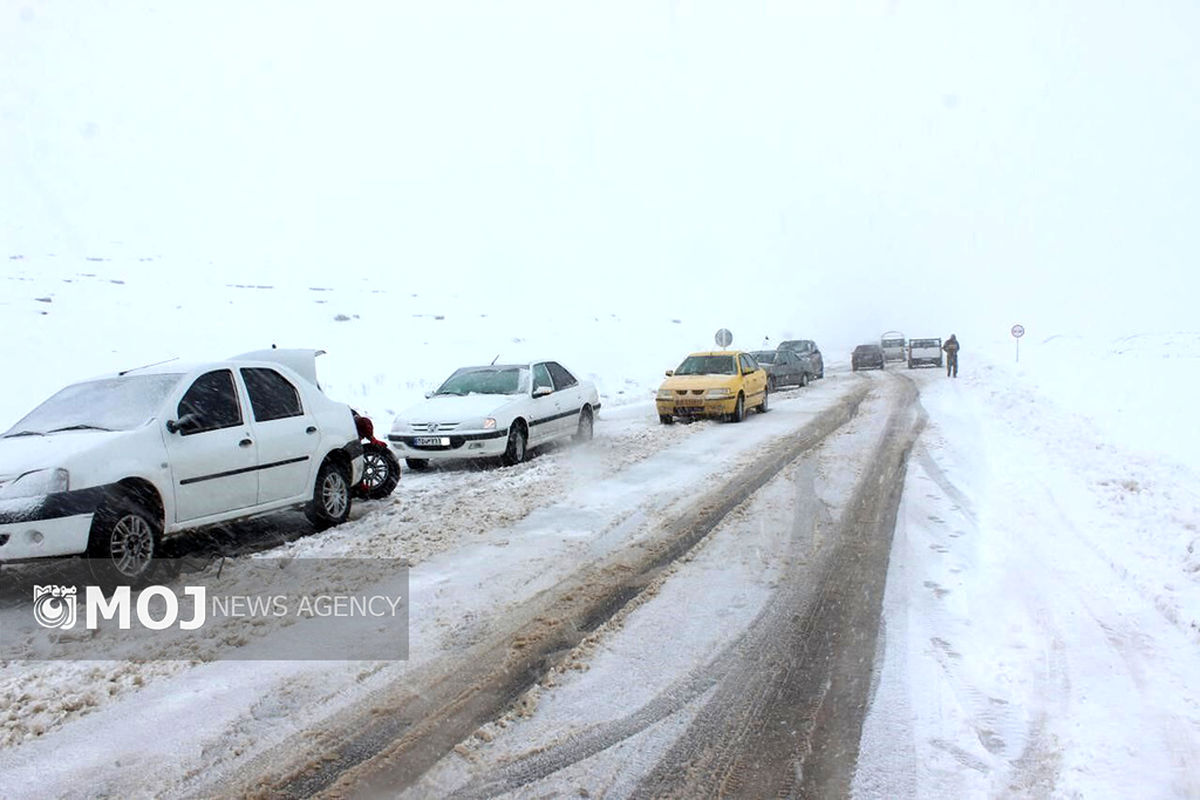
x=951 y=348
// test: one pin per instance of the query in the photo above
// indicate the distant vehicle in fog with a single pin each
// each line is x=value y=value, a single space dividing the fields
x=893 y=345
x=809 y=353
x=925 y=353
x=866 y=356
x=784 y=368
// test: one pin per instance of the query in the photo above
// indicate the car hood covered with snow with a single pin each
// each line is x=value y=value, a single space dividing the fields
x=21 y=454
x=457 y=408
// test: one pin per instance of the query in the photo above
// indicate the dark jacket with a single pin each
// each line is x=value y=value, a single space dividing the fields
x=951 y=345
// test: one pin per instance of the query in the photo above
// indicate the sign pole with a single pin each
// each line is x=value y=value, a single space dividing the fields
x=1017 y=332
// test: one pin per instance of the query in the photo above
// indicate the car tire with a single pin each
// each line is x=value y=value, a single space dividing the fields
x=764 y=406
x=514 y=453
x=739 y=409
x=124 y=544
x=330 y=504
x=381 y=473
x=803 y=379
x=666 y=419
x=771 y=384
x=417 y=464
x=586 y=428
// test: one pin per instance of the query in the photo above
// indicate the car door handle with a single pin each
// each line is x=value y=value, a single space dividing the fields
x=311 y=429
x=245 y=443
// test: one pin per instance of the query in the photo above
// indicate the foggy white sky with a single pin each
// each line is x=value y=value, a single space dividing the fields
x=923 y=166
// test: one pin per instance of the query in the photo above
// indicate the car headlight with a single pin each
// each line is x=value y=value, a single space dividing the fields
x=489 y=423
x=722 y=392
x=37 y=482
x=399 y=425
x=665 y=394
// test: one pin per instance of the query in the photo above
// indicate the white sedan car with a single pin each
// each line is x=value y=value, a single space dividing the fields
x=109 y=466
x=496 y=411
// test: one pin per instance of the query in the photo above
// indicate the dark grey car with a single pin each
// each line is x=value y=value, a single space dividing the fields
x=809 y=354
x=784 y=368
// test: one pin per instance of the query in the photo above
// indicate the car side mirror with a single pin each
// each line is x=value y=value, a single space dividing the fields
x=542 y=391
x=669 y=373
x=184 y=424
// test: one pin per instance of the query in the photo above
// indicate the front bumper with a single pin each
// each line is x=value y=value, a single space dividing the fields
x=706 y=407
x=447 y=447
x=45 y=538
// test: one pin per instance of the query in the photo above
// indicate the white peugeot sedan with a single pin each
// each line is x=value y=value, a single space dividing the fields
x=496 y=411
x=109 y=466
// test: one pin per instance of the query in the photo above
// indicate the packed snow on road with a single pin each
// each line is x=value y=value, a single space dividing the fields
x=639 y=613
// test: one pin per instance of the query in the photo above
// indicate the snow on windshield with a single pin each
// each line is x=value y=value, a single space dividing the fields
x=487 y=380
x=111 y=404
x=707 y=365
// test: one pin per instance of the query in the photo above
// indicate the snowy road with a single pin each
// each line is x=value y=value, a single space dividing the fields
x=696 y=610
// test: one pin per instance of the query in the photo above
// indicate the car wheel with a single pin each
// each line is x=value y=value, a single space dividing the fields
x=417 y=464
x=666 y=419
x=381 y=473
x=515 y=452
x=771 y=384
x=854 y=368
x=739 y=409
x=331 y=497
x=124 y=542
x=803 y=379
x=764 y=406
x=586 y=428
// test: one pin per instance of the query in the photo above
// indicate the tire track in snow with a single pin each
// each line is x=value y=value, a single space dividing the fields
x=386 y=747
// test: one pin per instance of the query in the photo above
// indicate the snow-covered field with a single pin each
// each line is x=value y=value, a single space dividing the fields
x=1042 y=614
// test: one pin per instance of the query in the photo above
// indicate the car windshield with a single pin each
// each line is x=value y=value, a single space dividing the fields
x=110 y=404
x=708 y=365
x=926 y=343
x=893 y=342
x=764 y=356
x=487 y=380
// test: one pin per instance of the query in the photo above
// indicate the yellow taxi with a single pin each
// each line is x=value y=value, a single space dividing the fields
x=716 y=384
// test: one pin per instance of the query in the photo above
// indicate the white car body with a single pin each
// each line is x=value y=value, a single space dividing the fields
x=479 y=424
x=924 y=353
x=52 y=483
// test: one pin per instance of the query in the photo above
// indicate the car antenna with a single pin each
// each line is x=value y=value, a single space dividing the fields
x=494 y=360
x=148 y=366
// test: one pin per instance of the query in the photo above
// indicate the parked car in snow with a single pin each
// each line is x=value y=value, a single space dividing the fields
x=810 y=356
x=720 y=384
x=924 y=353
x=866 y=356
x=496 y=411
x=784 y=368
x=110 y=466
x=893 y=345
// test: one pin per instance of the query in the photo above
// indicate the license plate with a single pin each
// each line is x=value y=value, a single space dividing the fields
x=431 y=441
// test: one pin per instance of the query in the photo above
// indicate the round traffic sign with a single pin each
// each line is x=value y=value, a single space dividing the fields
x=724 y=338
x=1018 y=331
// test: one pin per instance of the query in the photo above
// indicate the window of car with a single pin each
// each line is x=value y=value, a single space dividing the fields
x=767 y=357
x=210 y=403
x=562 y=378
x=113 y=404
x=748 y=364
x=541 y=377
x=487 y=380
x=708 y=365
x=272 y=396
